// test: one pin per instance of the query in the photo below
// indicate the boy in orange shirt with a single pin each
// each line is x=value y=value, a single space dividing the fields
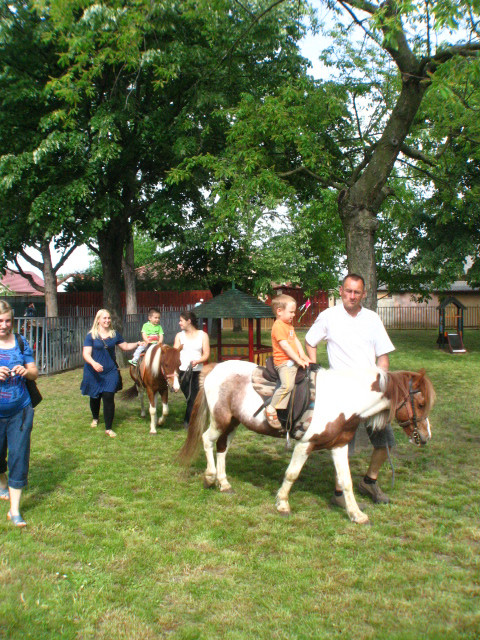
x=288 y=355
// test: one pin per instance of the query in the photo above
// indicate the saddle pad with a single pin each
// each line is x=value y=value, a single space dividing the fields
x=297 y=418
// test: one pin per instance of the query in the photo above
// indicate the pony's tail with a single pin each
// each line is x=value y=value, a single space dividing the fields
x=130 y=394
x=197 y=423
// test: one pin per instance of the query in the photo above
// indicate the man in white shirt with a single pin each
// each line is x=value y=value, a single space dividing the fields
x=356 y=338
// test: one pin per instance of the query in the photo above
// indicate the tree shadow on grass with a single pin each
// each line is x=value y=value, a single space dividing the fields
x=266 y=471
x=47 y=473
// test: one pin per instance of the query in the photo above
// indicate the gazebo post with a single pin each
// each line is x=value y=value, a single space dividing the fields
x=259 y=333
x=250 y=339
x=219 y=339
x=205 y=325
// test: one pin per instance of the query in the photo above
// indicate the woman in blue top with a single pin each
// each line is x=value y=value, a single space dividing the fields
x=16 y=413
x=101 y=378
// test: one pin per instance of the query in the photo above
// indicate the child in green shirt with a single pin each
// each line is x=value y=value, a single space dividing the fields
x=152 y=332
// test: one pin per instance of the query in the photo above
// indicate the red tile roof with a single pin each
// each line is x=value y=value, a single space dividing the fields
x=19 y=285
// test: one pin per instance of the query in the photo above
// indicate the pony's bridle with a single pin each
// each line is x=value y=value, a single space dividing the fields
x=412 y=416
x=170 y=377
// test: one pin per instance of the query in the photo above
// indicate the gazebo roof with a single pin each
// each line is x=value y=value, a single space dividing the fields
x=451 y=300
x=233 y=303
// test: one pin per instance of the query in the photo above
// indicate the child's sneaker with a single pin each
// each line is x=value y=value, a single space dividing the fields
x=132 y=362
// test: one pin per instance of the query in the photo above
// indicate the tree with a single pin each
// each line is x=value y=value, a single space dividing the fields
x=355 y=148
x=49 y=271
x=138 y=87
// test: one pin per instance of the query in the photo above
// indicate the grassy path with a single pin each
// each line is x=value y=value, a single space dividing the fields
x=123 y=543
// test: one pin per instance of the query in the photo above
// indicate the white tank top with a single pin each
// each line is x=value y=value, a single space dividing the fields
x=192 y=350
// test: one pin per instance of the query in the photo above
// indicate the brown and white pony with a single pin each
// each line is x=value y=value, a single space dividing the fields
x=343 y=400
x=156 y=373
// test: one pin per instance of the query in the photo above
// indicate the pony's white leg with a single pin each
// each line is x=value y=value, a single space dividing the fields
x=153 y=415
x=209 y=438
x=161 y=420
x=223 y=483
x=344 y=480
x=299 y=458
x=141 y=394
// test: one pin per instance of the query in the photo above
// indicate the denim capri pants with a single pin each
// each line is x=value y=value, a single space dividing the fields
x=15 y=435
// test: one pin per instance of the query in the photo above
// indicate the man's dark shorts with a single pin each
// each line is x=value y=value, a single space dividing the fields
x=379 y=439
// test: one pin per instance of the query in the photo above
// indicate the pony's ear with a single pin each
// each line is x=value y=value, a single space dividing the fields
x=418 y=378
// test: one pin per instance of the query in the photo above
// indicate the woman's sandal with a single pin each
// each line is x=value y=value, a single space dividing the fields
x=110 y=433
x=94 y=423
x=18 y=521
x=272 y=418
x=4 y=494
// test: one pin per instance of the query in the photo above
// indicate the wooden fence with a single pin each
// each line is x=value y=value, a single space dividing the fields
x=424 y=317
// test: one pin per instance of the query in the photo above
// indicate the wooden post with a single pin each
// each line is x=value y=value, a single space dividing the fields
x=259 y=333
x=219 y=339
x=250 y=340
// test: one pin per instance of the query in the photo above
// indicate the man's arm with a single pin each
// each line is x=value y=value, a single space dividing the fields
x=383 y=361
x=311 y=352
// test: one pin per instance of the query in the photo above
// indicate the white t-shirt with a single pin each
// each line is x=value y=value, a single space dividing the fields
x=352 y=342
x=192 y=350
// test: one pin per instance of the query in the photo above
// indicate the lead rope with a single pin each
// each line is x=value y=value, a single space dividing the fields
x=391 y=464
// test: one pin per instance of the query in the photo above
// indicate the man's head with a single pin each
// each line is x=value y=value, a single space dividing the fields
x=154 y=316
x=352 y=292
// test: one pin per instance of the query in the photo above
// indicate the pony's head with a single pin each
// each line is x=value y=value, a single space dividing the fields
x=170 y=365
x=412 y=397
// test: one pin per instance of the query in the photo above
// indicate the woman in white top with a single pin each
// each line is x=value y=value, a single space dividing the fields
x=195 y=351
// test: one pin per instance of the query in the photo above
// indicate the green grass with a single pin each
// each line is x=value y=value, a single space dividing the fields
x=123 y=543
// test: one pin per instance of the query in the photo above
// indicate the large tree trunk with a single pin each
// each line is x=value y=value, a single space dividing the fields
x=128 y=266
x=360 y=226
x=358 y=205
x=50 y=280
x=111 y=243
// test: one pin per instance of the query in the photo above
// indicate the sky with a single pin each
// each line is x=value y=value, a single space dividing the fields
x=310 y=47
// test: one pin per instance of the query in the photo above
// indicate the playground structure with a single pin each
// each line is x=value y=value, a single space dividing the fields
x=234 y=303
x=450 y=325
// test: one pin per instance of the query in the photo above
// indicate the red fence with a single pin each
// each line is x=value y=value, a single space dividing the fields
x=68 y=302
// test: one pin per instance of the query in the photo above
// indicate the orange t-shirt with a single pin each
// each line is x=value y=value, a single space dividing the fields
x=282 y=331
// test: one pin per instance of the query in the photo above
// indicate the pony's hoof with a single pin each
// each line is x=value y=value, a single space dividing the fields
x=153 y=433
x=284 y=514
x=207 y=484
x=361 y=518
x=227 y=490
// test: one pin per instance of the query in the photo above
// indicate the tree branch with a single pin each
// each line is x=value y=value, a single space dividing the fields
x=64 y=258
x=414 y=154
x=29 y=259
x=322 y=181
x=430 y=64
x=27 y=277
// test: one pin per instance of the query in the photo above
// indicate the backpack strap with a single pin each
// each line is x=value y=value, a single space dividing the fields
x=21 y=343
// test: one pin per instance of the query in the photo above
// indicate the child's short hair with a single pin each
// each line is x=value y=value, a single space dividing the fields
x=153 y=310
x=281 y=301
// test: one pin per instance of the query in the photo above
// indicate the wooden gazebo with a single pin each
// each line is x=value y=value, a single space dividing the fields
x=234 y=303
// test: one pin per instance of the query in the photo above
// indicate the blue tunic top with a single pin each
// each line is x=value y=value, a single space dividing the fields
x=103 y=352
x=13 y=392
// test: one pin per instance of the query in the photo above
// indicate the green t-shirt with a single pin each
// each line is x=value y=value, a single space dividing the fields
x=150 y=329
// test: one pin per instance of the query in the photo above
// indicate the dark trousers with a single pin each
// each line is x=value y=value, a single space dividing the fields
x=108 y=398
x=189 y=386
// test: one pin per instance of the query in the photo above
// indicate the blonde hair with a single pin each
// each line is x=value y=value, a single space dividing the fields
x=94 y=330
x=281 y=301
x=6 y=308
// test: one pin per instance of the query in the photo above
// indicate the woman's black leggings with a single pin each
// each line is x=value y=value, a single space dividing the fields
x=108 y=408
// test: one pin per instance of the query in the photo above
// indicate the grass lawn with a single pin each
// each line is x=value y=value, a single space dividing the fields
x=123 y=543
